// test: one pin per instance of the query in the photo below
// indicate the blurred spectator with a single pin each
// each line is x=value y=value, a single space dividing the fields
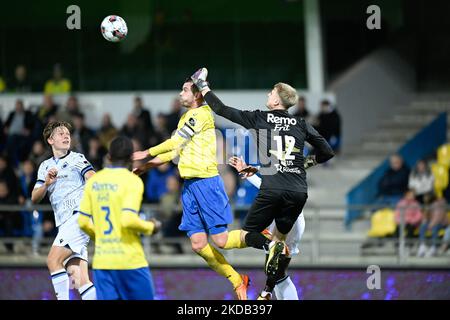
x=394 y=183
x=412 y=213
x=156 y=183
x=435 y=219
x=170 y=199
x=46 y=110
x=328 y=124
x=72 y=109
x=131 y=130
x=170 y=212
x=57 y=84
x=174 y=116
x=39 y=153
x=107 y=131
x=301 y=110
x=20 y=83
x=421 y=180
x=10 y=221
x=143 y=115
x=96 y=153
x=81 y=134
x=161 y=131
x=2 y=135
x=18 y=128
x=2 y=85
x=27 y=179
x=445 y=241
x=8 y=175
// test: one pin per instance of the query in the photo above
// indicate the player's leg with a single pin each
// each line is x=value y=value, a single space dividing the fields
x=77 y=265
x=293 y=203
x=259 y=217
x=234 y=239
x=55 y=264
x=285 y=289
x=220 y=236
x=215 y=260
x=77 y=269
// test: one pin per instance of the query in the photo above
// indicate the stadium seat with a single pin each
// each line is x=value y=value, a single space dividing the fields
x=382 y=223
x=443 y=155
x=440 y=173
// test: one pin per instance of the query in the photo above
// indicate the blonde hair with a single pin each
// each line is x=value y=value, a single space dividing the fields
x=287 y=94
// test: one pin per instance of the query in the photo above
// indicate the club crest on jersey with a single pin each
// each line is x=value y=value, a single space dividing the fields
x=192 y=122
x=65 y=165
x=281 y=123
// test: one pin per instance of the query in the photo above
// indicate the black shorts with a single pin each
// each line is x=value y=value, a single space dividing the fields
x=280 y=205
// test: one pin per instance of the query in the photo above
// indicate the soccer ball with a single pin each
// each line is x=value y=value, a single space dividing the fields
x=114 y=28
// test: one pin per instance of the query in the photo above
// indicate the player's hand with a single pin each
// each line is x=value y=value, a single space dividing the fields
x=241 y=167
x=138 y=171
x=199 y=79
x=237 y=162
x=248 y=172
x=51 y=177
x=157 y=224
x=139 y=155
x=310 y=161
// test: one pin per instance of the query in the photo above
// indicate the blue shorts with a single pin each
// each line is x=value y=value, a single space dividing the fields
x=206 y=207
x=133 y=284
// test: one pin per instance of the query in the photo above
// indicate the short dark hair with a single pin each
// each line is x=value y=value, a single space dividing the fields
x=194 y=88
x=121 y=149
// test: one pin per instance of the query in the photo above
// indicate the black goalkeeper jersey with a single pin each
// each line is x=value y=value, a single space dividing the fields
x=280 y=139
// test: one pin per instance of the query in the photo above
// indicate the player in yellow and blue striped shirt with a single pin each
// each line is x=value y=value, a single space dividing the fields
x=206 y=208
x=109 y=213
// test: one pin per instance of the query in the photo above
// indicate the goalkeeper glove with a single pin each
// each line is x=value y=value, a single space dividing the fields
x=199 y=79
x=309 y=162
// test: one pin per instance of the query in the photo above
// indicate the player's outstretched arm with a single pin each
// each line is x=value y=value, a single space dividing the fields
x=155 y=162
x=246 y=119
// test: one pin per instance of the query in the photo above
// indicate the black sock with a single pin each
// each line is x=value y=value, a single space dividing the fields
x=257 y=240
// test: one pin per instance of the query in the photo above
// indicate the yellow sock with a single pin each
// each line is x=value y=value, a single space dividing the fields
x=234 y=240
x=219 y=264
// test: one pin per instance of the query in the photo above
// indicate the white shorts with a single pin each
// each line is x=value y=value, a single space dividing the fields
x=294 y=236
x=70 y=235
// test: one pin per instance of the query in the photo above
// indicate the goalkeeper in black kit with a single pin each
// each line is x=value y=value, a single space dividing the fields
x=283 y=193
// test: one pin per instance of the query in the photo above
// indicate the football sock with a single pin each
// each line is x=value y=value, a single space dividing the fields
x=234 y=240
x=285 y=289
x=88 y=292
x=219 y=264
x=60 y=281
x=257 y=240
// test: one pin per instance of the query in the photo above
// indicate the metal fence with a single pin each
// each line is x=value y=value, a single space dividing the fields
x=314 y=239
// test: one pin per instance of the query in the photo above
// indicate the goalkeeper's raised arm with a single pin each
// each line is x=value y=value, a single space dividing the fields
x=247 y=119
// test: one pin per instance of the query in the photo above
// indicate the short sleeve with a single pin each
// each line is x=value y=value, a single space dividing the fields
x=133 y=197
x=82 y=165
x=42 y=172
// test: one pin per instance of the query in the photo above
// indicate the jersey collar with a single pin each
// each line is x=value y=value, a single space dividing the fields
x=68 y=152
